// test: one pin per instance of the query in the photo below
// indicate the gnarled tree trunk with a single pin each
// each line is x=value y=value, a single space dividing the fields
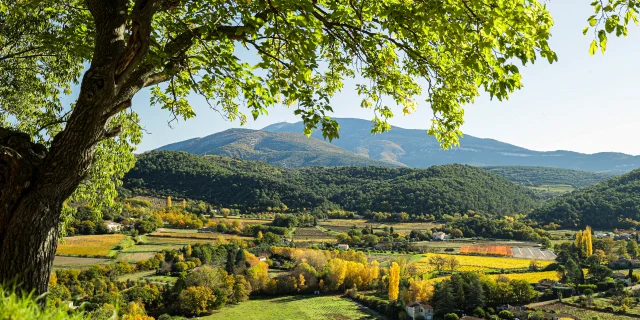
x=34 y=181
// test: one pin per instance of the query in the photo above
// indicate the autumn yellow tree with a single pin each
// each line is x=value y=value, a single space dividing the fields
x=589 y=241
x=169 y=202
x=184 y=204
x=394 y=281
x=260 y=236
x=578 y=240
x=419 y=290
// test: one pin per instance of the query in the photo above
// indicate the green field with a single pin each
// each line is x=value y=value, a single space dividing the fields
x=293 y=307
x=554 y=188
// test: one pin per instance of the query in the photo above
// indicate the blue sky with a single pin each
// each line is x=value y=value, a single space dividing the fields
x=581 y=103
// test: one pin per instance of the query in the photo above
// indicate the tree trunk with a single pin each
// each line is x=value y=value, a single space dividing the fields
x=28 y=218
x=34 y=181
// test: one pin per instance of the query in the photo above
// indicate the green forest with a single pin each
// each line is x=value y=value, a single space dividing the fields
x=611 y=203
x=538 y=176
x=256 y=186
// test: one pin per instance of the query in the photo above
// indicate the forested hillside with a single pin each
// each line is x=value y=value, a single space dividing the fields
x=538 y=176
x=608 y=204
x=258 y=186
x=286 y=149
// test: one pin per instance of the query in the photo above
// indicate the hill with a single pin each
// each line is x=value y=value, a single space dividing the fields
x=604 y=205
x=541 y=176
x=258 y=186
x=287 y=150
x=414 y=148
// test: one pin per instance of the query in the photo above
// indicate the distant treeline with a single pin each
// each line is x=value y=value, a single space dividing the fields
x=614 y=203
x=538 y=176
x=255 y=186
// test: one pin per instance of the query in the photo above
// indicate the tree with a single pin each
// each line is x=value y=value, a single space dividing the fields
x=304 y=51
x=438 y=262
x=452 y=263
x=632 y=248
x=196 y=300
x=169 y=205
x=394 y=281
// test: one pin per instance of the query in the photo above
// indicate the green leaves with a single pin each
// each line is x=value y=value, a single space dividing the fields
x=593 y=47
x=626 y=11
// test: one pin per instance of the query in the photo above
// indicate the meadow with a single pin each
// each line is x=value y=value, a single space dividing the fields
x=77 y=262
x=403 y=228
x=94 y=245
x=306 y=307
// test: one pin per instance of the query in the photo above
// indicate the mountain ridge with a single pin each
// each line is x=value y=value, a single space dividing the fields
x=287 y=150
x=414 y=148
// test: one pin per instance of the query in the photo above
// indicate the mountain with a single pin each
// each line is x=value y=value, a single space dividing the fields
x=287 y=150
x=614 y=203
x=540 y=176
x=414 y=148
x=257 y=186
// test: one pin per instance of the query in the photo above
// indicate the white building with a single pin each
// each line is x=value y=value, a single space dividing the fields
x=420 y=309
x=343 y=246
x=113 y=226
x=440 y=236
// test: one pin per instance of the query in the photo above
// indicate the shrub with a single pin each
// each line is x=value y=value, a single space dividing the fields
x=451 y=316
x=505 y=314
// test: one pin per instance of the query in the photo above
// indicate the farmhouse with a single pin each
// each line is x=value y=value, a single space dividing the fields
x=206 y=229
x=547 y=284
x=603 y=235
x=440 y=236
x=262 y=258
x=113 y=226
x=622 y=236
x=624 y=263
x=343 y=246
x=420 y=309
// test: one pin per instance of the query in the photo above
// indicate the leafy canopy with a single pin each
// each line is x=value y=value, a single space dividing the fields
x=610 y=16
x=260 y=54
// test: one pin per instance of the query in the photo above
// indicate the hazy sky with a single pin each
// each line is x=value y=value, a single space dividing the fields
x=581 y=103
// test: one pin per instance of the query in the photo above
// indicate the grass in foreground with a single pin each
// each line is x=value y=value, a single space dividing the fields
x=95 y=245
x=14 y=306
x=293 y=307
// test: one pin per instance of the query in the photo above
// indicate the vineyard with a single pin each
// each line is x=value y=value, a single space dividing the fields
x=476 y=263
x=504 y=251
x=531 y=277
x=95 y=245
x=309 y=234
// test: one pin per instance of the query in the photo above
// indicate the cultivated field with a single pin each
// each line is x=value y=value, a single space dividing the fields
x=487 y=250
x=531 y=277
x=194 y=234
x=95 y=245
x=533 y=253
x=76 y=262
x=479 y=263
x=404 y=228
x=135 y=256
x=312 y=235
x=293 y=307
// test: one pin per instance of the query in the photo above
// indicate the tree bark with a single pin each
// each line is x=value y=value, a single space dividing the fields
x=34 y=181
